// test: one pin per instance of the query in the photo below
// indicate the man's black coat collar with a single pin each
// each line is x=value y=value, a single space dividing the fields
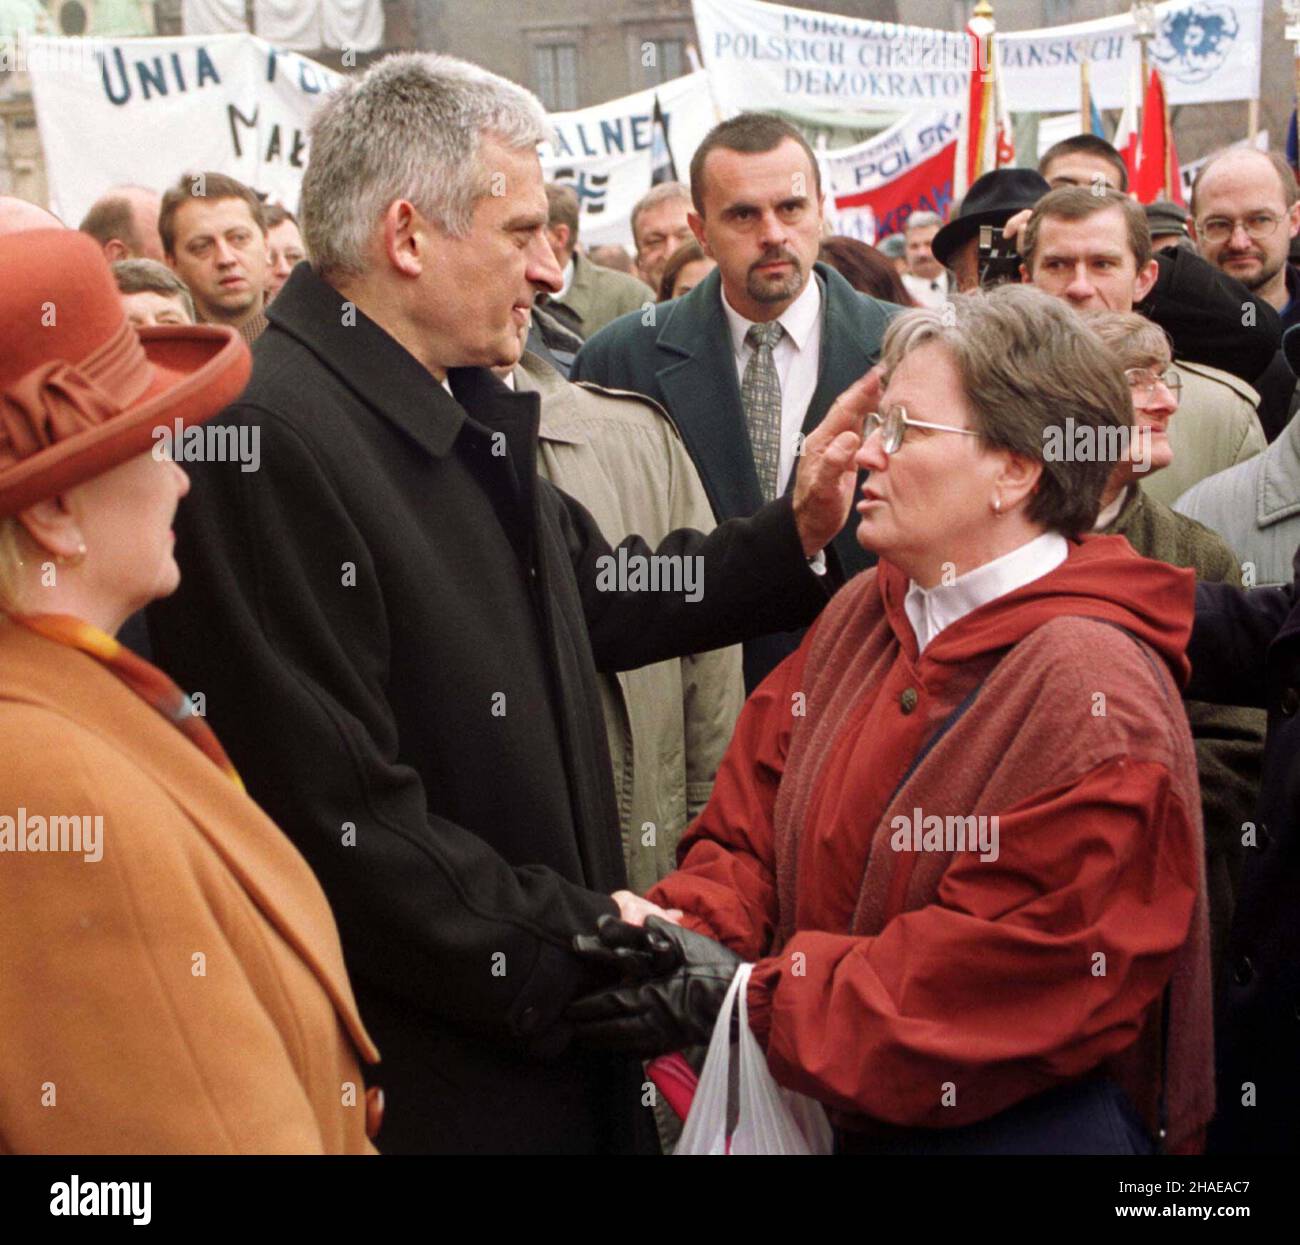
x=386 y=376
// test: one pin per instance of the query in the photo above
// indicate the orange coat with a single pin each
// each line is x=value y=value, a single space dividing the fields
x=184 y=993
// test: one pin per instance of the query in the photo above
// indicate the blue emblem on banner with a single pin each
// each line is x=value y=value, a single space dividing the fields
x=1193 y=43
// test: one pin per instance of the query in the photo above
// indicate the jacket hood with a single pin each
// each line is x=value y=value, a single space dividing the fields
x=1101 y=578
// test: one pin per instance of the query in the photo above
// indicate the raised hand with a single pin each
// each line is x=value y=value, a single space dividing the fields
x=827 y=475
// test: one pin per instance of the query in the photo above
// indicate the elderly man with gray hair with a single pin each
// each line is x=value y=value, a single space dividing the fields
x=396 y=625
x=926 y=278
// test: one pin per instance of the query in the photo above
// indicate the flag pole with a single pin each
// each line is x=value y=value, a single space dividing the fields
x=1291 y=8
x=1085 y=99
x=1170 y=171
x=1144 y=18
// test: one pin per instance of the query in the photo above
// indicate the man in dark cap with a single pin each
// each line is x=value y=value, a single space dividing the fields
x=1168 y=224
x=992 y=200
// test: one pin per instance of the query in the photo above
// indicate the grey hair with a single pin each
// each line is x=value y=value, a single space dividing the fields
x=134 y=276
x=922 y=220
x=411 y=128
x=1029 y=364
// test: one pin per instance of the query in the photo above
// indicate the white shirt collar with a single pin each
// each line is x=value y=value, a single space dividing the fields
x=798 y=319
x=1110 y=513
x=930 y=610
x=568 y=279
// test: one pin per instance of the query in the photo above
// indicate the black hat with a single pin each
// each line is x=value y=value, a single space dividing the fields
x=1291 y=347
x=992 y=200
x=1165 y=218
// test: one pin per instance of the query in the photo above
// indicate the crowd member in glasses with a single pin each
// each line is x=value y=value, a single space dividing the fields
x=1229 y=739
x=1094 y=251
x=939 y=993
x=1245 y=218
x=1245 y=211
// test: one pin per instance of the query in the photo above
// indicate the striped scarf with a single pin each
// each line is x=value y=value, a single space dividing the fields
x=147 y=681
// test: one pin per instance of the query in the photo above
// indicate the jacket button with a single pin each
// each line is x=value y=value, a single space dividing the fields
x=907 y=701
x=1244 y=971
x=374 y=1111
x=1290 y=700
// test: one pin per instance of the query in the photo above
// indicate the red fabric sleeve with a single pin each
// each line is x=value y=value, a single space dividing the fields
x=725 y=881
x=995 y=992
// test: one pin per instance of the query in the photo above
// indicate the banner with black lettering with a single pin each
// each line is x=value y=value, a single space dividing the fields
x=776 y=56
x=607 y=153
x=147 y=110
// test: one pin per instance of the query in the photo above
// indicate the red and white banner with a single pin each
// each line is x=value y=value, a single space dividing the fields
x=872 y=189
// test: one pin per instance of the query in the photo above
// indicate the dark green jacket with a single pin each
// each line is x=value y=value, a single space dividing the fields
x=1229 y=739
x=680 y=354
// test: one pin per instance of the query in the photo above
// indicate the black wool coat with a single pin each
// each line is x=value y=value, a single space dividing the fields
x=396 y=627
x=1245 y=650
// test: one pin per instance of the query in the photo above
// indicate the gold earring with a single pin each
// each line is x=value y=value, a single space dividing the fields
x=77 y=558
x=997 y=506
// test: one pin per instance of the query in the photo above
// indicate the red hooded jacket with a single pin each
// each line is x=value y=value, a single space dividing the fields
x=908 y=974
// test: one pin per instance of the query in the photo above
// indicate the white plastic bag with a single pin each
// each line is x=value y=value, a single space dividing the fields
x=772 y=1120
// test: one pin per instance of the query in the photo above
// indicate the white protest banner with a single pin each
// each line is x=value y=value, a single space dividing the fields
x=147 y=110
x=771 y=56
x=1207 y=51
x=775 y=56
x=606 y=152
x=872 y=188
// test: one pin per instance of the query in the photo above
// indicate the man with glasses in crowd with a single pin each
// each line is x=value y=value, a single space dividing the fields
x=1245 y=211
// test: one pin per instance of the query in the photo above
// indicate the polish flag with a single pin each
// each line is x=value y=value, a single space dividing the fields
x=1157 y=162
x=985 y=142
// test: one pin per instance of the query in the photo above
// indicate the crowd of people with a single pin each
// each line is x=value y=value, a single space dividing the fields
x=413 y=722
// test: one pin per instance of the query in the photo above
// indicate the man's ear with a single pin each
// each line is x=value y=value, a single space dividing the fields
x=115 y=250
x=407 y=238
x=1145 y=279
x=1293 y=218
x=53 y=526
x=696 y=222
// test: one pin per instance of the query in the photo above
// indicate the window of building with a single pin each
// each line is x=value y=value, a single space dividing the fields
x=663 y=59
x=555 y=68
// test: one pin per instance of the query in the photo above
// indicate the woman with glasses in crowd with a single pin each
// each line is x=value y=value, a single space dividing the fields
x=958 y=830
x=1229 y=738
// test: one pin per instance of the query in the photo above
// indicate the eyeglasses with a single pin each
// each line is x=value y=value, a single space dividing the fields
x=895 y=422
x=1142 y=380
x=1257 y=225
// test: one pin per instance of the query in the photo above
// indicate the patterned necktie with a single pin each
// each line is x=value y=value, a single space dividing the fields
x=760 y=395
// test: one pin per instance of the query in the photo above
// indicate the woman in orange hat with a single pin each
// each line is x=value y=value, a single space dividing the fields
x=172 y=978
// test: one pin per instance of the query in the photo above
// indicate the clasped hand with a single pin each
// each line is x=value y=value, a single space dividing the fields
x=669 y=987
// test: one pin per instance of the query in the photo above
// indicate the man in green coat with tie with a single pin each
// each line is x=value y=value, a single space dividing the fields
x=749 y=362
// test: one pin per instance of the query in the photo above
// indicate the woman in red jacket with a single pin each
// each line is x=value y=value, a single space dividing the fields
x=958 y=830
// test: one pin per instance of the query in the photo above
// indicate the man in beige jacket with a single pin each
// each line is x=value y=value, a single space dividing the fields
x=668 y=724
x=591 y=296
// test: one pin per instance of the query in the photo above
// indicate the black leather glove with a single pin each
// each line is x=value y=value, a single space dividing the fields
x=672 y=986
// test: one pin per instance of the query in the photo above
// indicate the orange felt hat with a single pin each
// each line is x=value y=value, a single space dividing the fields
x=81 y=391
